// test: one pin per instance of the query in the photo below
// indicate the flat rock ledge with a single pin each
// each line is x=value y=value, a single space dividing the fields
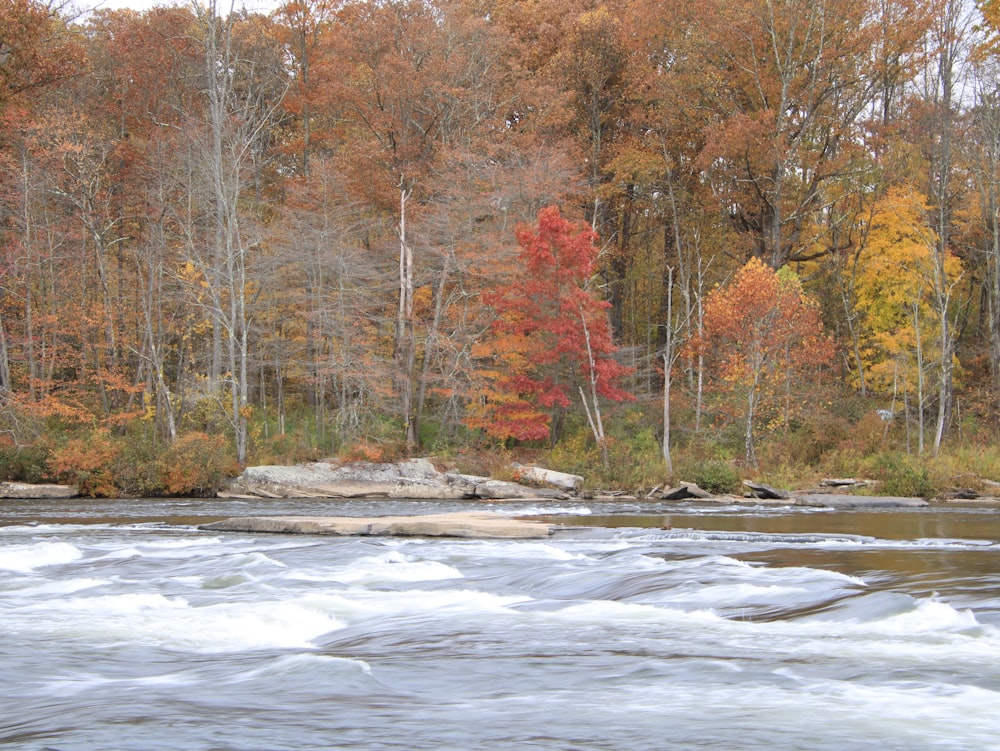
x=835 y=500
x=413 y=479
x=818 y=500
x=461 y=524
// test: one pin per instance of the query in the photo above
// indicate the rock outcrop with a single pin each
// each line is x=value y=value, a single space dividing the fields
x=36 y=491
x=416 y=478
x=419 y=479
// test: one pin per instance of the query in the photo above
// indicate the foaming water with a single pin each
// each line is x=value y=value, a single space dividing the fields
x=797 y=631
x=24 y=558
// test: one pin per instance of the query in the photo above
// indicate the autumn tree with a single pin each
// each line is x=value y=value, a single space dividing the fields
x=478 y=196
x=551 y=339
x=907 y=300
x=762 y=333
x=327 y=319
x=37 y=49
x=302 y=28
x=408 y=81
x=228 y=148
x=981 y=150
x=788 y=89
x=38 y=53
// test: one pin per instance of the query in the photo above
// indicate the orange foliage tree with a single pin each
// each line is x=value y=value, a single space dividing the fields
x=761 y=334
x=550 y=337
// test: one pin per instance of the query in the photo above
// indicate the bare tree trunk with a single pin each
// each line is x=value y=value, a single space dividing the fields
x=153 y=350
x=430 y=341
x=920 y=379
x=949 y=36
x=5 y=385
x=405 y=346
x=593 y=408
x=670 y=354
x=668 y=461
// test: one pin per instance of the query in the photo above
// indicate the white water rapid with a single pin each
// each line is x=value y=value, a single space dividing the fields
x=733 y=630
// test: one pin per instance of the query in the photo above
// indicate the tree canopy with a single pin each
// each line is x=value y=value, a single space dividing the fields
x=435 y=223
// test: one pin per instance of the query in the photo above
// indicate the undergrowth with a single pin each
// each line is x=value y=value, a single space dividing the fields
x=853 y=442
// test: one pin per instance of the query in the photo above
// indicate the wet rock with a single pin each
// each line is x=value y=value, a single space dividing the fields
x=960 y=494
x=766 y=492
x=842 y=482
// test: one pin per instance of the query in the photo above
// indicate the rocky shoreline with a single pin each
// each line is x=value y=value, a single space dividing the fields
x=419 y=479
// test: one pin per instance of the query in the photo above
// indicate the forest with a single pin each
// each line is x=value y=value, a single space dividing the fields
x=646 y=240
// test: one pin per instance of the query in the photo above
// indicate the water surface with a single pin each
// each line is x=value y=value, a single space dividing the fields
x=126 y=627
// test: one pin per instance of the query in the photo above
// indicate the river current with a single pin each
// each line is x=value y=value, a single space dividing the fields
x=636 y=627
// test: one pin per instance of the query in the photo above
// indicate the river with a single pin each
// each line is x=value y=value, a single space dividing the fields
x=636 y=627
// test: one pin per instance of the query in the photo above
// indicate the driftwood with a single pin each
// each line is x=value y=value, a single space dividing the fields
x=543 y=476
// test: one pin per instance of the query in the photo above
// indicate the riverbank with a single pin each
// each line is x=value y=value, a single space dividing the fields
x=421 y=479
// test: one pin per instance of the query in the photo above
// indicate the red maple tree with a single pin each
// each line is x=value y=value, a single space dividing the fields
x=550 y=337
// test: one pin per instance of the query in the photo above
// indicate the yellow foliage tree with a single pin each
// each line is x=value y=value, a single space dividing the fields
x=898 y=297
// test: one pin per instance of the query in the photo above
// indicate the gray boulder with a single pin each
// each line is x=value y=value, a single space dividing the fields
x=684 y=492
x=414 y=478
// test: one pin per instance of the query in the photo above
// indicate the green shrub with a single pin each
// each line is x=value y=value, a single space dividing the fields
x=713 y=475
x=284 y=448
x=24 y=463
x=136 y=468
x=975 y=463
x=576 y=453
x=899 y=474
